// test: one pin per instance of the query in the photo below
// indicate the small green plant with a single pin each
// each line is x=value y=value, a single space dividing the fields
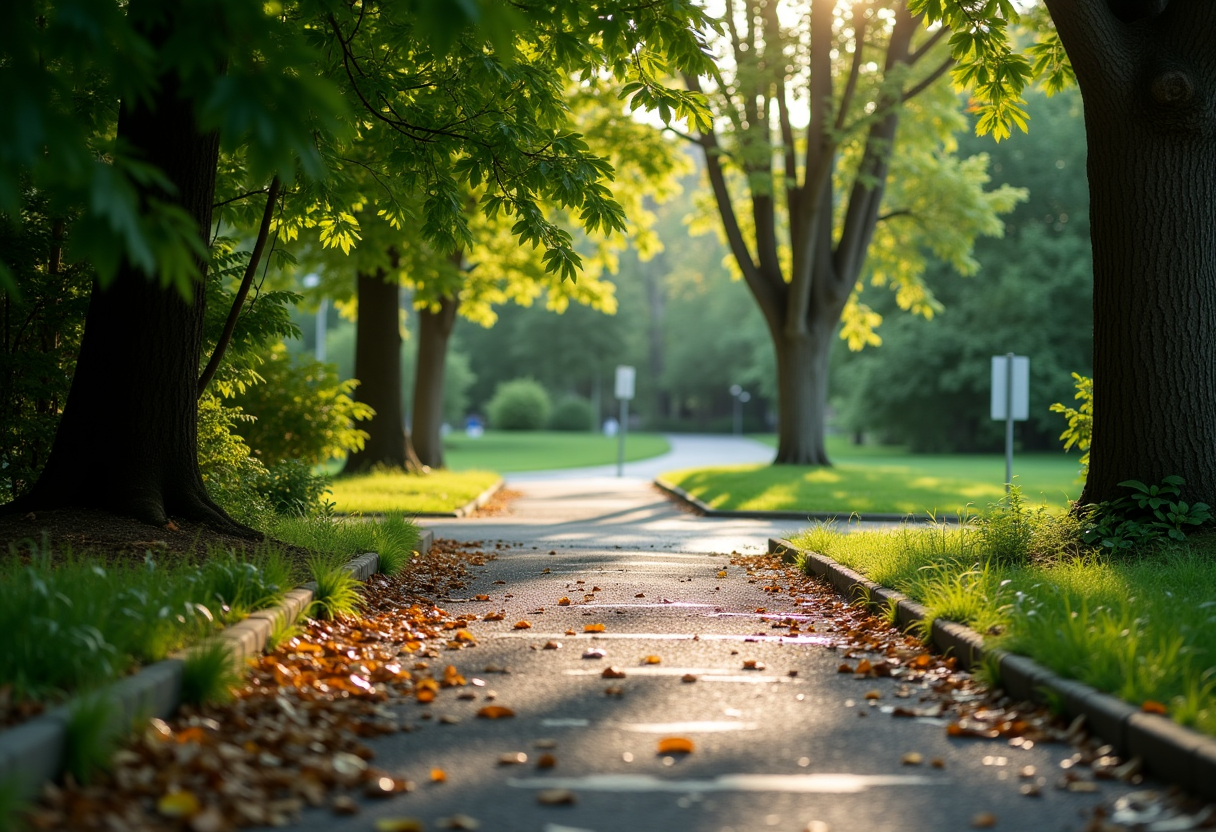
x=396 y=538
x=521 y=404
x=1150 y=515
x=12 y=807
x=292 y=488
x=209 y=674
x=281 y=631
x=89 y=737
x=1080 y=420
x=1007 y=530
x=337 y=591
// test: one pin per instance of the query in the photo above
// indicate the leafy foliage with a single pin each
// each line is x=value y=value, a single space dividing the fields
x=209 y=674
x=1080 y=419
x=572 y=413
x=299 y=410
x=521 y=404
x=1150 y=515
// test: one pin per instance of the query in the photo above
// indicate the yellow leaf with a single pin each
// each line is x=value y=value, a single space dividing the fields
x=593 y=628
x=653 y=660
x=522 y=625
x=722 y=573
x=178 y=805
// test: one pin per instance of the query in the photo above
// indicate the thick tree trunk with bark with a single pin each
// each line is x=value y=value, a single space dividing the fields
x=378 y=368
x=1147 y=72
x=127 y=442
x=802 y=380
x=434 y=330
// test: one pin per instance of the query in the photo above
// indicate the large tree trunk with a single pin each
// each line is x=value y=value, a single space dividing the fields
x=802 y=394
x=434 y=330
x=1147 y=83
x=378 y=368
x=127 y=442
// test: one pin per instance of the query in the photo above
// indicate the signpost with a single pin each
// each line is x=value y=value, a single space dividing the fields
x=625 y=377
x=1010 y=400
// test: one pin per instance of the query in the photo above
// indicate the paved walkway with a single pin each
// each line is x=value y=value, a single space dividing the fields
x=687 y=451
x=774 y=750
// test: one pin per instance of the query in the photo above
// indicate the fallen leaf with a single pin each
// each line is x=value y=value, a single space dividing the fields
x=425 y=695
x=752 y=664
x=937 y=762
x=761 y=609
x=983 y=820
x=569 y=632
x=613 y=673
x=845 y=668
x=495 y=712
x=640 y=595
x=652 y=660
x=178 y=805
x=459 y=822
x=563 y=601
x=482 y=598
x=676 y=745
x=594 y=653
x=344 y=805
x=1151 y=706
x=494 y=616
x=545 y=571
x=556 y=797
x=688 y=677
x=614 y=690
x=546 y=761
x=912 y=758
x=514 y=758
x=399 y=825
x=872 y=695
x=552 y=645
x=522 y=625
x=722 y=573
x=593 y=628
x=864 y=666
x=438 y=775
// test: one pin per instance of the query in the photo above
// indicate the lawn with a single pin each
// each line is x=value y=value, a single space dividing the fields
x=508 y=451
x=1141 y=626
x=393 y=491
x=882 y=480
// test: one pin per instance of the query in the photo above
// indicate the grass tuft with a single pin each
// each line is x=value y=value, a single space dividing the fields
x=89 y=737
x=337 y=591
x=209 y=674
x=282 y=630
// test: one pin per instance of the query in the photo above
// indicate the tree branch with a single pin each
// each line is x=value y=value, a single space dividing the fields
x=928 y=80
x=919 y=52
x=850 y=87
x=221 y=346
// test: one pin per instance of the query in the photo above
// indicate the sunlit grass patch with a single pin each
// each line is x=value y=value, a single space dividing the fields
x=540 y=450
x=1141 y=627
x=401 y=493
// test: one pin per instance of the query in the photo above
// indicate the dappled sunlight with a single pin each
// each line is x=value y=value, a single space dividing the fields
x=396 y=491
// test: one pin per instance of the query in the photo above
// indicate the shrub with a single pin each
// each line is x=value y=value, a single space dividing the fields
x=1080 y=420
x=292 y=488
x=571 y=413
x=230 y=473
x=300 y=410
x=521 y=404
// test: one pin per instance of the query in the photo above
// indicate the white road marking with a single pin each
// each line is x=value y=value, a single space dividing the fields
x=792 y=783
x=705 y=727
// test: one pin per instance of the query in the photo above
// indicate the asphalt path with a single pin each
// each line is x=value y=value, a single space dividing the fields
x=774 y=751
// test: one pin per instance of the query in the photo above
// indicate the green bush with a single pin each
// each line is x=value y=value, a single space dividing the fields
x=292 y=488
x=521 y=404
x=571 y=413
x=300 y=410
x=230 y=473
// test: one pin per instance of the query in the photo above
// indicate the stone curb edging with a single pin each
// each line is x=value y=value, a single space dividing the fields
x=704 y=509
x=35 y=751
x=1170 y=751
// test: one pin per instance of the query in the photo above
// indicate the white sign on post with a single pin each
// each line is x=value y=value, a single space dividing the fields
x=1010 y=400
x=1020 y=387
x=624 y=382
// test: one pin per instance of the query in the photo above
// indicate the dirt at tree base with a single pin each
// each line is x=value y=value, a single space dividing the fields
x=112 y=537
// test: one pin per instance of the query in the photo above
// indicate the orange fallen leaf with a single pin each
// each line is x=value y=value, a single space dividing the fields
x=983 y=820
x=873 y=694
x=593 y=628
x=425 y=695
x=640 y=595
x=481 y=598
x=1151 y=706
x=652 y=660
x=452 y=677
x=494 y=616
x=495 y=712
x=178 y=805
x=552 y=645
x=563 y=601
x=722 y=573
x=688 y=677
x=676 y=745
x=864 y=666
x=465 y=636
x=438 y=775
x=761 y=609
x=752 y=664
x=522 y=625
x=613 y=673
x=569 y=632
x=845 y=667
x=546 y=761
x=596 y=589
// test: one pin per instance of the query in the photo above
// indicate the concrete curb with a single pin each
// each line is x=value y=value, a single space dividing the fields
x=1170 y=751
x=35 y=751
x=704 y=509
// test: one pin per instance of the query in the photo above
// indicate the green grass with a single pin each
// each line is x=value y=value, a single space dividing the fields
x=881 y=480
x=398 y=492
x=73 y=624
x=336 y=540
x=1142 y=628
x=209 y=674
x=508 y=451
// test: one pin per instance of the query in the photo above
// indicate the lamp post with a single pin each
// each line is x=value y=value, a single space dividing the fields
x=740 y=396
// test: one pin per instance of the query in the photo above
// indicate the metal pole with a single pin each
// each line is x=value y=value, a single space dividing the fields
x=620 y=452
x=1008 y=421
x=738 y=416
